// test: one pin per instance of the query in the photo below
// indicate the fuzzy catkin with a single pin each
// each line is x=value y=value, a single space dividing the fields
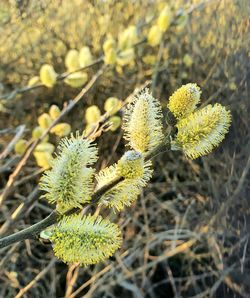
x=70 y=181
x=142 y=123
x=86 y=240
x=203 y=130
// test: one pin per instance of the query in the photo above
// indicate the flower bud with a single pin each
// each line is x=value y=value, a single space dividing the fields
x=85 y=57
x=44 y=121
x=112 y=105
x=164 y=19
x=116 y=122
x=154 y=36
x=61 y=129
x=33 y=81
x=184 y=100
x=86 y=240
x=126 y=57
x=21 y=146
x=127 y=38
x=77 y=79
x=54 y=112
x=72 y=60
x=110 y=57
x=92 y=114
x=48 y=75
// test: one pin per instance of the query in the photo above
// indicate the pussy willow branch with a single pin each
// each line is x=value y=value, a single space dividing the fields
x=95 y=132
x=33 y=231
x=30 y=149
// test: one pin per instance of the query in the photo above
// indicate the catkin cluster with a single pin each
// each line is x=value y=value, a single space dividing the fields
x=199 y=130
x=70 y=182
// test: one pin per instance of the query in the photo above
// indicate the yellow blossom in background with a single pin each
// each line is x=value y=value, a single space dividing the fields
x=112 y=105
x=85 y=57
x=33 y=81
x=48 y=75
x=154 y=36
x=45 y=147
x=77 y=79
x=92 y=114
x=127 y=38
x=203 y=130
x=61 y=129
x=21 y=146
x=72 y=60
x=54 y=112
x=181 y=22
x=184 y=100
x=44 y=120
x=43 y=159
x=187 y=60
x=43 y=155
x=126 y=57
x=115 y=122
x=37 y=133
x=109 y=43
x=149 y=59
x=110 y=57
x=164 y=19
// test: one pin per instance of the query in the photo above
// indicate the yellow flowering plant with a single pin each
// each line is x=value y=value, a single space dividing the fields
x=70 y=181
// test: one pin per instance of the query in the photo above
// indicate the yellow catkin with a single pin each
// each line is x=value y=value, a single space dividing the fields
x=115 y=122
x=131 y=165
x=45 y=147
x=92 y=114
x=184 y=100
x=126 y=57
x=202 y=131
x=44 y=120
x=142 y=122
x=72 y=60
x=136 y=173
x=85 y=57
x=86 y=240
x=33 y=81
x=69 y=183
x=127 y=38
x=108 y=44
x=37 y=133
x=48 y=75
x=21 y=146
x=76 y=80
x=43 y=159
x=61 y=129
x=164 y=19
x=154 y=36
x=110 y=57
x=112 y=105
x=54 y=112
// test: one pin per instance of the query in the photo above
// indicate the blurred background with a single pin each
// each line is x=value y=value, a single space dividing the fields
x=187 y=235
